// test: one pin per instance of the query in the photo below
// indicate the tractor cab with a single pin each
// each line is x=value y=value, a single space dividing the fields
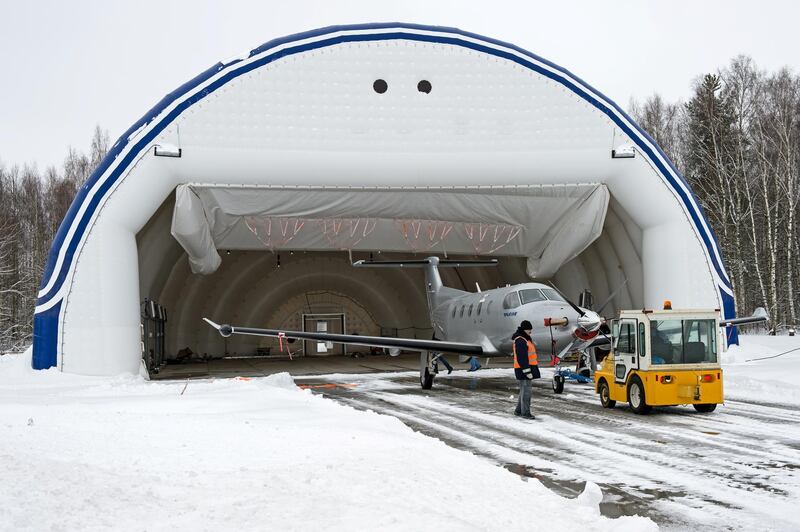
x=662 y=358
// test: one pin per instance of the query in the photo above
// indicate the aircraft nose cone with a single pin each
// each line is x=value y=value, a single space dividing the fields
x=590 y=321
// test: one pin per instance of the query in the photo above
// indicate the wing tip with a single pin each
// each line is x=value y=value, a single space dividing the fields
x=217 y=326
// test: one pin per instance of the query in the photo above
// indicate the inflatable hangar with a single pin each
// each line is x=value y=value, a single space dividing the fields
x=244 y=195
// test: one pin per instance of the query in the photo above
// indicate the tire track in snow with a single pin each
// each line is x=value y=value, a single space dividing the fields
x=549 y=438
x=524 y=460
x=699 y=458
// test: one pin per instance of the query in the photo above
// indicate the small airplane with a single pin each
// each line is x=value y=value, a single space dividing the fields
x=472 y=323
x=482 y=323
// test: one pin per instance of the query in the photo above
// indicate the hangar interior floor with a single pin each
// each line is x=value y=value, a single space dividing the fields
x=259 y=367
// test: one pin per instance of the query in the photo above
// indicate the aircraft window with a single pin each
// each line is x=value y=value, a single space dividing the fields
x=480 y=304
x=531 y=295
x=552 y=294
x=462 y=312
x=511 y=300
x=424 y=86
x=454 y=311
x=380 y=86
x=470 y=310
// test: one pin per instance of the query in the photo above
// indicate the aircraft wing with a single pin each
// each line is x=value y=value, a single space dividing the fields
x=411 y=344
x=759 y=316
x=419 y=263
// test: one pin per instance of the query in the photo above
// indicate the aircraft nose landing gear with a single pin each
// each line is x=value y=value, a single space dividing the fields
x=582 y=373
x=558 y=383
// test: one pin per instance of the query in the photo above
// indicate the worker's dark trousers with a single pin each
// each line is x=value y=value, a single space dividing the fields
x=524 y=403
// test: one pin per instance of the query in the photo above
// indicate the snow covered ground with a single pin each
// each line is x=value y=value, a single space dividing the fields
x=770 y=380
x=735 y=469
x=85 y=453
x=100 y=453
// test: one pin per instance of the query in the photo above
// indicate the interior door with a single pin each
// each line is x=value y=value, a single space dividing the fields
x=625 y=353
x=324 y=323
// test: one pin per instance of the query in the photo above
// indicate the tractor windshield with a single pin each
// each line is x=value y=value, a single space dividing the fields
x=683 y=341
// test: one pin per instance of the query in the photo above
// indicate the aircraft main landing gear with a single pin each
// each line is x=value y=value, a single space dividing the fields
x=426 y=372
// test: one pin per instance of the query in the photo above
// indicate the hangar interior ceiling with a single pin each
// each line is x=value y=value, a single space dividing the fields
x=263 y=276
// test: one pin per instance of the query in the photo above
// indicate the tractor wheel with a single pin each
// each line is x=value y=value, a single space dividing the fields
x=705 y=409
x=636 y=397
x=605 y=395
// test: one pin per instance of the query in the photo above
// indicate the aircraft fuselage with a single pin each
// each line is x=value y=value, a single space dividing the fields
x=489 y=318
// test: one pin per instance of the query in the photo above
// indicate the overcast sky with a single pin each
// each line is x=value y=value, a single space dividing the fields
x=68 y=65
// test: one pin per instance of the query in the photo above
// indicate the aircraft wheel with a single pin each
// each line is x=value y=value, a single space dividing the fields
x=558 y=383
x=425 y=375
x=636 y=397
x=605 y=395
x=705 y=409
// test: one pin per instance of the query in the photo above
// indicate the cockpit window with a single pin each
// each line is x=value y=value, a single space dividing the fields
x=531 y=295
x=552 y=294
x=511 y=300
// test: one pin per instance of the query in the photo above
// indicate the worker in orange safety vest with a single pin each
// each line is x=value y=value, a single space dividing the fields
x=526 y=367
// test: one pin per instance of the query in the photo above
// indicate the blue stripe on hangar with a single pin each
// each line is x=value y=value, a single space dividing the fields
x=595 y=98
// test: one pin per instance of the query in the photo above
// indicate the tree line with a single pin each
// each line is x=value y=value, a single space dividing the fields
x=32 y=205
x=736 y=141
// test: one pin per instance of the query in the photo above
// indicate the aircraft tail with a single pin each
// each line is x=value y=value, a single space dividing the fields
x=433 y=281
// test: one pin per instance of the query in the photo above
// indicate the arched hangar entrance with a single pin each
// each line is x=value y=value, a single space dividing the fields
x=245 y=192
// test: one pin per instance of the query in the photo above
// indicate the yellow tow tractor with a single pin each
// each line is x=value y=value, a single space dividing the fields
x=666 y=358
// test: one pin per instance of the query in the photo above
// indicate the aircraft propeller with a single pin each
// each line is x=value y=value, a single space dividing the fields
x=588 y=327
x=588 y=322
x=614 y=293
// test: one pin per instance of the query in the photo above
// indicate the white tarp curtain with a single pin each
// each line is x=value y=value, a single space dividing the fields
x=548 y=224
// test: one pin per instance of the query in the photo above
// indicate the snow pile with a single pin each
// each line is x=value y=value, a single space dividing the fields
x=770 y=380
x=591 y=497
x=17 y=365
x=87 y=453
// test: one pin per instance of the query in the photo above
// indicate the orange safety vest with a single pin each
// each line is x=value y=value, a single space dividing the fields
x=532 y=359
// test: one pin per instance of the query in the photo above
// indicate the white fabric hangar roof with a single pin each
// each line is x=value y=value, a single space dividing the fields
x=298 y=127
